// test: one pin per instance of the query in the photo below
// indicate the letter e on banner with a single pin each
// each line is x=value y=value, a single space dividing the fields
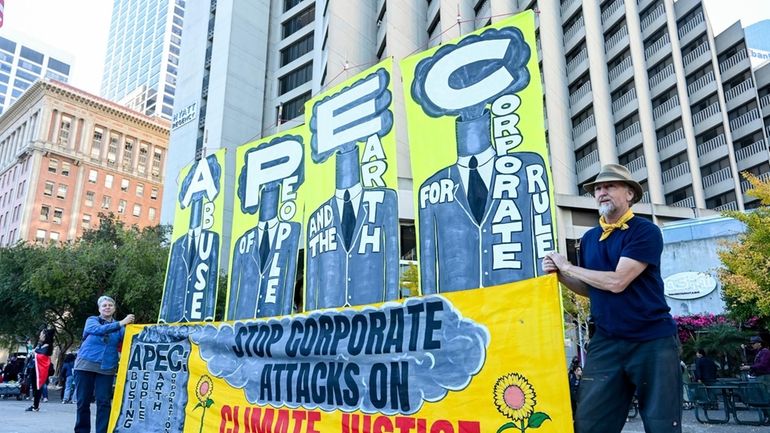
x=349 y=116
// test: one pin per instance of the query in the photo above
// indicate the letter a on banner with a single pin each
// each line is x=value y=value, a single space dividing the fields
x=190 y=291
x=267 y=226
x=482 y=182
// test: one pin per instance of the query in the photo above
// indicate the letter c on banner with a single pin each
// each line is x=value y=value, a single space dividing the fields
x=437 y=86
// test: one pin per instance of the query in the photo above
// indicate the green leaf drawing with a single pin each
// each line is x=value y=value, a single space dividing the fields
x=197 y=406
x=537 y=419
x=209 y=402
x=506 y=426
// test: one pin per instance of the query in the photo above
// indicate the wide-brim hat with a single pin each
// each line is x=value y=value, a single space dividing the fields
x=616 y=173
x=755 y=339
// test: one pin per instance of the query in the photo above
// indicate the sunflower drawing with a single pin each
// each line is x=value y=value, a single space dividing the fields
x=203 y=391
x=515 y=398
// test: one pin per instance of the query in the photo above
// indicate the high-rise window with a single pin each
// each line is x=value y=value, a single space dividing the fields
x=96 y=143
x=64 y=131
x=61 y=192
x=294 y=107
x=48 y=188
x=157 y=160
x=296 y=78
x=90 y=198
x=57 y=214
x=112 y=149
x=298 y=21
x=44 y=211
x=86 y=221
x=128 y=154
x=141 y=163
x=288 y=4
x=53 y=165
x=137 y=210
x=108 y=181
x=297 y=49
x=65 y=168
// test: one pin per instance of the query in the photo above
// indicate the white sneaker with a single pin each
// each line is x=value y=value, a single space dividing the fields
x=45 y=400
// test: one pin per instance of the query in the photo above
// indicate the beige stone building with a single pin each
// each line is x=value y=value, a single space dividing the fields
x=67 y=155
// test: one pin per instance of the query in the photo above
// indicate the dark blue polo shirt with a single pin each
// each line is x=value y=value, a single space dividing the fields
x=640 y=312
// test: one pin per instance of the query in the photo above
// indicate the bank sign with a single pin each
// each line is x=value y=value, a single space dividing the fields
x=689 y=285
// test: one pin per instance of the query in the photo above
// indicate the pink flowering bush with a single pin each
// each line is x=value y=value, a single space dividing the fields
x=690 y=326
x=719 y=335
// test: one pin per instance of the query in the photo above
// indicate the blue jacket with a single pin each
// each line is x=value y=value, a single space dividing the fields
x=249 y=284
x=366 y=274
x=456 y=253
x=100 y=342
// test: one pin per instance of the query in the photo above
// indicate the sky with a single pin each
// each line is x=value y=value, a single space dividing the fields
x=80 y=27
x=77 y=27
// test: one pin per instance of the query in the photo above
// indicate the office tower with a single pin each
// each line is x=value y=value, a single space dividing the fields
x=644 y=83
x=140 y=68
x=24 y=61
x=67 y=155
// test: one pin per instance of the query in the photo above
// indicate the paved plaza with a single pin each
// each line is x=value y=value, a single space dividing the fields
x=55 y=417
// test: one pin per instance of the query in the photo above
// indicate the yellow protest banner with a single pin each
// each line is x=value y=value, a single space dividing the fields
x=466 y=362
x=351 y=250
x=190 y=289
x=267 y=226
x=483 y=194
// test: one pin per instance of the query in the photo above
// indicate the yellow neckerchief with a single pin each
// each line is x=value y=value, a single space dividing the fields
x=621 y=224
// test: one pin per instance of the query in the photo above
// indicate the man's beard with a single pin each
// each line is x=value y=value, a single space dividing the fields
x=606 y=209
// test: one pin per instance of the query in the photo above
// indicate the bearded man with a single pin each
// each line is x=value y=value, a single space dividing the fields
x=635 y=349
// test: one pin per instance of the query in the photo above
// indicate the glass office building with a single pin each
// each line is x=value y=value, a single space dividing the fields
x=22 y=63
x=140 y=67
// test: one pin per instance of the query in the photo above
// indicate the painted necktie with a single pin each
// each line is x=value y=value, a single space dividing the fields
x=477 y=191
x=264 y=247
x=348 y=220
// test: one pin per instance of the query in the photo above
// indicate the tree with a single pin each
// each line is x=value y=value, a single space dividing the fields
x=746 y=275
x=58 y=284
x=577 y=310
x=410 y=281
x=21 y=315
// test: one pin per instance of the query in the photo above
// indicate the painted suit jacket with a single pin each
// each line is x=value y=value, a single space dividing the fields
x=338 y=278
x=181 y=278
x=249 y=283
x=456 y=253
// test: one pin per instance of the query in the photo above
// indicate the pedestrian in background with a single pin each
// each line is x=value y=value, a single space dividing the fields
x=760 y=368
x=575 y=374
x=635 y=348
x=96 y=365
x=705 y=368
x=41 y=365
x=66 y=379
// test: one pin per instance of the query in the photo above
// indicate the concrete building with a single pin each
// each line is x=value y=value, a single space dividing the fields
x=24 y=61
x=140 y=67
x=642 y=83
x=690 y=263
x=67 y=155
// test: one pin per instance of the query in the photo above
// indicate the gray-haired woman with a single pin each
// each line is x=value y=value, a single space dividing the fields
x=96 y=365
